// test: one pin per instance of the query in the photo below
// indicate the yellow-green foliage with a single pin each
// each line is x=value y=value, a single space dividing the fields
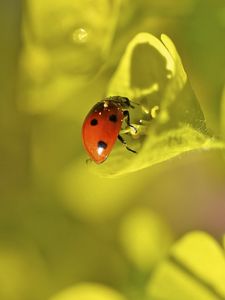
x=143 y=226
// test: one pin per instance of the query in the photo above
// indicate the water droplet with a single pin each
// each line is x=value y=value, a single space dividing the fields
x=80 y=35
x=169 y=75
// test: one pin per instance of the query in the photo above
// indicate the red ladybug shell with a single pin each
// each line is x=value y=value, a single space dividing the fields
x=101 y=128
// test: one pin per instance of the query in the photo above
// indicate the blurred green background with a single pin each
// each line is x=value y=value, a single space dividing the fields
x=60 y=224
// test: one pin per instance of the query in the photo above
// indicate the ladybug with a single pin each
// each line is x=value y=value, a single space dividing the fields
x=102 y=125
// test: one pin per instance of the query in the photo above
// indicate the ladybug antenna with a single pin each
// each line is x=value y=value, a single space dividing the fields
x=134 y=103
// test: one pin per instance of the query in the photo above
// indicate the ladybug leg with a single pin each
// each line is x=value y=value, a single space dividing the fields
x=88 y=161
x=125 y=144
x=127 y=119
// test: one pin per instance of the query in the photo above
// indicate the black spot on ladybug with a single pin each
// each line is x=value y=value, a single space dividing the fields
x=94 y=122
x=102 y=144
x=113 y=118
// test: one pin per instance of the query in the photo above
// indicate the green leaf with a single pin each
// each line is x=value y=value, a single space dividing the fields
x=88 y=291
x=62 y=53
x=194 y=270
x=151 y=73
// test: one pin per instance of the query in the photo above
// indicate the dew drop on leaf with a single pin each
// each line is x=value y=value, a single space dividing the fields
x=80 y=36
